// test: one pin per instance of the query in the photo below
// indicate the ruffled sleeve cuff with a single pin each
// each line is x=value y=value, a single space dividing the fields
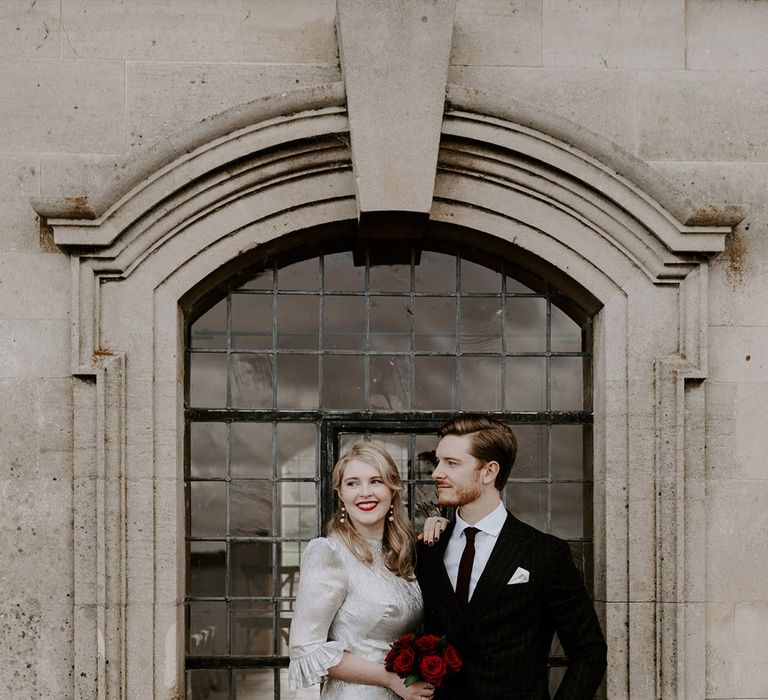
x=309 y=669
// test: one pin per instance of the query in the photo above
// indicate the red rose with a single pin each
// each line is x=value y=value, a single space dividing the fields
x=400 y=660
x=427 y=643
x=433 y=669
x=452 y=658
x=405 y=640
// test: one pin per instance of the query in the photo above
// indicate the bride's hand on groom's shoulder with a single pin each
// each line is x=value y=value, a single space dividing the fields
x=434 y=526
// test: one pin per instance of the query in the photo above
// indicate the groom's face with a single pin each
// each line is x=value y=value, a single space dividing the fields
x=457 y=472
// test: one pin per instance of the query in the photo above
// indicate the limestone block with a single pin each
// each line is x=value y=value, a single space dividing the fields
x=34 y=286
x=738 y=354
x=34 y=349
x=751 y=633
x=602 y=101
x=737 y=548
x=736 y=437
x=395 y=167
x=497 y=33
x=719 y=650
x=302 y=31
x=615 y=33
x=74 y=174
x=173 y=30
x=703 y=115
x=726 y=189
x=62 y=106
x=729 y=34
x=18 y=434
x=30 y=28
x=167 y=98
x=19 y=180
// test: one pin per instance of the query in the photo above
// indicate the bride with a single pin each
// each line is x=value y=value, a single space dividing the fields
x=357 y=590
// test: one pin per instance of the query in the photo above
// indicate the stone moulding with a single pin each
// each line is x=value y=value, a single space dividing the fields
x=188 y=209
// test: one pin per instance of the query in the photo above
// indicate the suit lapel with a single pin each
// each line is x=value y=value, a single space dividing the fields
x=510 y=547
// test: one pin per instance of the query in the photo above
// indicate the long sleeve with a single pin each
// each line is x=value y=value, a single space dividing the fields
x=322 y=589
x=576 y=624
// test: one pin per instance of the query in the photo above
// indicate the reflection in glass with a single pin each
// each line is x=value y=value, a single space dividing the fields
x=480 y=383
x=251 y=628
x=301 y=276
x=343 y=323
x=390 y=323
x=251 y=569
x=207 y=569
x=525 y=384
x=567 y=451
x=425 y=504
x=566 y=333
x=478 y=278
x=262 y=279
x=531 y=458
x=298 y=322
x=298 y=381
x=481 y=325
x=525 y=324
x=298 y=517
x=252 y=321
x=207 y=684
x=208 y=508
x=528 y=502
x=253 y=449
x=252 y=381
x=567 y=377
x=389 y=382
x=208 y=379
x=433 y=383
x=210 y=330
x=296 y=449
x=390 y=278
x=343 y=381
x=340 y=274
x=568 y=510
x=436 y=273
x=258 y=684
x=425 y=456
x=436 y=324
x=208 y=449
x=207 y=628
x=250 y=504
x=514 y=286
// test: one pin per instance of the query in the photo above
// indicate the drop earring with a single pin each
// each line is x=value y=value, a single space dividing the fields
x=391 y=517
x=342 y=515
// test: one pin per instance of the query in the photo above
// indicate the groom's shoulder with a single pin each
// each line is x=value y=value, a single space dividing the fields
x=537 y=537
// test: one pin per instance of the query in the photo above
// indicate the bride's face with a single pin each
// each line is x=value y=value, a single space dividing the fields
x=366 y=498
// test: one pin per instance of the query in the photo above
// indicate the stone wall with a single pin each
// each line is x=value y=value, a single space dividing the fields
x=680 y=84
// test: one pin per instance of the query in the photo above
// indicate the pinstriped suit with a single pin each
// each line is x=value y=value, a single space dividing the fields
x=505 y=633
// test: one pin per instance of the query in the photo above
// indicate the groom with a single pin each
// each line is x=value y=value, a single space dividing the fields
x=498 y=588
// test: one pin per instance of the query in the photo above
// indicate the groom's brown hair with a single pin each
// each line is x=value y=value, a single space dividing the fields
x=490 y=440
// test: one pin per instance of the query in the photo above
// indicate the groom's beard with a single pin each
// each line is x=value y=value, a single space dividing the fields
x=457 y=496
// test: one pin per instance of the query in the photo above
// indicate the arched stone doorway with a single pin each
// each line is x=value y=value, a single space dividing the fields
x=274 y=167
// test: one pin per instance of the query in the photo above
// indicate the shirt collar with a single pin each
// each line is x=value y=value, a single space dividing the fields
x=491 y=524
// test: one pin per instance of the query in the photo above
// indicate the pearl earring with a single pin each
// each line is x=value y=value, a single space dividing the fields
x=343 y=515
x=391 y=517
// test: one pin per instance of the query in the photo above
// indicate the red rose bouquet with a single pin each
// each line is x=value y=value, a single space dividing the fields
x=416 y=657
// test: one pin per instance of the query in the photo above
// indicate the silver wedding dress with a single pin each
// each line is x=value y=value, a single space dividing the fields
x=346 y=605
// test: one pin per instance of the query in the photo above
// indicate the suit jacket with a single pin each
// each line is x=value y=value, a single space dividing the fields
x=505 y=633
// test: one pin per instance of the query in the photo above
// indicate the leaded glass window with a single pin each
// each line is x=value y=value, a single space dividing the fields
x=291 y=360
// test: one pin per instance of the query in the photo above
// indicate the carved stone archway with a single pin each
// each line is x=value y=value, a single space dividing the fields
x=193 y=206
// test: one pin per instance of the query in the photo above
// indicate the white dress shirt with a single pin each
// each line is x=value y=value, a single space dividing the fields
x=485 y=540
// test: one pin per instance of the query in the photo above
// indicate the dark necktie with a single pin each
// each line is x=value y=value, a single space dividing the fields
x=465 y=566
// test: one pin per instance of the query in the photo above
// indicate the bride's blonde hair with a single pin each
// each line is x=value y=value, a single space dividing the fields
x=398 y=542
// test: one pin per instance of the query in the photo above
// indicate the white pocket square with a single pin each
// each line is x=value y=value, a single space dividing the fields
x=521 y=575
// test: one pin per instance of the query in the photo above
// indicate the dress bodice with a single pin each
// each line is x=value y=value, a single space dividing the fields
x=342 y=605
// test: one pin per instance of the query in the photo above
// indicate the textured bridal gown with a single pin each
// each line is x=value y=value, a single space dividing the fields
x=346 y=605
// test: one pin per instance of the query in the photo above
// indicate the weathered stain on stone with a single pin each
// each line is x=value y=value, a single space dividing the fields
x=735 y=256
x=45 y=237
x=97 y=355
x=714 y=215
